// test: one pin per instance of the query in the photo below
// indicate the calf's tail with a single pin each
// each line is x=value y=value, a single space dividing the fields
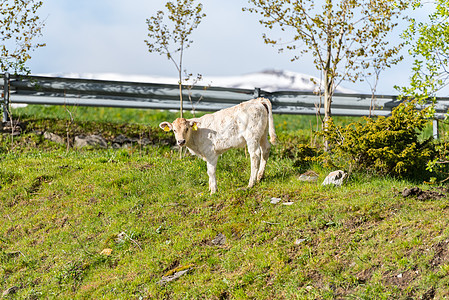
x=271 y=130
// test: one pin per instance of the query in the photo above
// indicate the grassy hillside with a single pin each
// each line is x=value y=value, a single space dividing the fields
x=111 y=223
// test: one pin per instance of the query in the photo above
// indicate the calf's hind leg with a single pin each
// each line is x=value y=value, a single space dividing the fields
x=265 y=152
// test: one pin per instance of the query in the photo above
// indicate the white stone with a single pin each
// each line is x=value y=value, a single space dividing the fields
x=336 y=178
x=275 y=200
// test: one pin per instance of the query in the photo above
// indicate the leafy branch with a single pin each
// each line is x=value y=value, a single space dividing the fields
x=19 y=27
x=429 y=44
x=171 y=37
x=345 y=37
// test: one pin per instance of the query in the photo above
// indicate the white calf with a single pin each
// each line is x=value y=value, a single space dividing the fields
x=246 y=124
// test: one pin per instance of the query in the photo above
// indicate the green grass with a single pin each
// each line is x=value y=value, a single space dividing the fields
x=60 y=209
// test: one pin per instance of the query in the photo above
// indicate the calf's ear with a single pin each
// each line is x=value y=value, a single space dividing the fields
x=194 y=125
x=166 y=126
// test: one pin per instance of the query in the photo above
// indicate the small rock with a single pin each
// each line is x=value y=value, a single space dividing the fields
x=275 y=200
x=219 y=240
x=144 y=142
x=53 y=137
x=122 y=139
x=10 y=291
x=288 y=203
x=167 y=279
x=90 y=140
x=309 y=176
x=336 y=178
x=299 y=241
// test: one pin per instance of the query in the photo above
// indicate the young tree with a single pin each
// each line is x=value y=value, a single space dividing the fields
x=172 y=37
x=344 y=36
x=430 y=47
x=19 y=27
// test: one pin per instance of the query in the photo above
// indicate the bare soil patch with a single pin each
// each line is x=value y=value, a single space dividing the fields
x=423 y=195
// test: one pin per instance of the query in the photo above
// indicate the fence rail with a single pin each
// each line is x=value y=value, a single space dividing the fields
x=83 y=92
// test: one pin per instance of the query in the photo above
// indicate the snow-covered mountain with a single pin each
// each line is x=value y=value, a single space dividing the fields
x=268 y=80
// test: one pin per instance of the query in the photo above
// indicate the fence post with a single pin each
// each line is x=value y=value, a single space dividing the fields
x=5 y=102
x=257 y=93
x=436 y=132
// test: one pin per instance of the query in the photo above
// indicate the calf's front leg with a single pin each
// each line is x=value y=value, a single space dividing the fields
x=211 y=168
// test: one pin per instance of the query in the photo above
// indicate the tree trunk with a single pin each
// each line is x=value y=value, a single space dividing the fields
x=328 y=92
x=180 y=97
x=180 y=107
x=328 y=74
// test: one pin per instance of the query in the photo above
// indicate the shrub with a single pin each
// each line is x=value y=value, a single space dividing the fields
x=440 y=164
x=298 y=149
x=385 y=145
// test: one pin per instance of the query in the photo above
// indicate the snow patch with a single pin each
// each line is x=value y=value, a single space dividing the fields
x=267 y=80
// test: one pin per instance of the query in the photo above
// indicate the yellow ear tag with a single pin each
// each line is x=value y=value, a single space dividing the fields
x=194 y=127
x=166 y=128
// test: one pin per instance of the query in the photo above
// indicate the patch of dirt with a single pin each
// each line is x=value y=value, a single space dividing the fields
x=145 y=167
x=315 y=277
x=364 y=220
x=62 y=221
x=37 y=183
x=424 y=195
x=365 y=275
x=401 y=280
x=224 y=295
x=355 y=222
x=430 y=294
x=441 y=253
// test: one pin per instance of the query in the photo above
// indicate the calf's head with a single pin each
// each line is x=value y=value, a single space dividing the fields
x=182 y=129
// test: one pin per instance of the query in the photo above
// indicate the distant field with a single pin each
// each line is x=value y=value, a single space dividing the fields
x=111 y=223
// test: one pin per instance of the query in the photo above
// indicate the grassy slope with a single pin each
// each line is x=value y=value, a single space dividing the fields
x=60 y=209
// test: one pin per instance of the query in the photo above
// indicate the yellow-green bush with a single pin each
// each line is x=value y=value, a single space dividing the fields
x=385 y=145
